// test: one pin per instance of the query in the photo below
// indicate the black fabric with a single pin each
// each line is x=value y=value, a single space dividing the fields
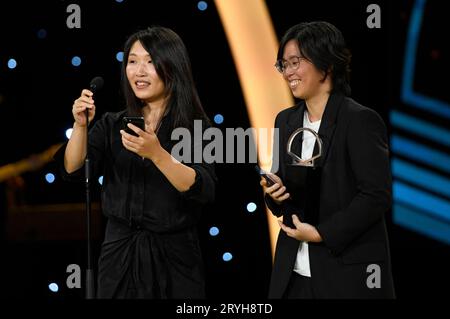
x=138 y=263
x=134 y=190
x=151 y=249
x=346 y=198
x=304 y=186
x=299 y=287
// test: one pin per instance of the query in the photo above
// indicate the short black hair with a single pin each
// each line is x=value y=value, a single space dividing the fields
x=323 y=44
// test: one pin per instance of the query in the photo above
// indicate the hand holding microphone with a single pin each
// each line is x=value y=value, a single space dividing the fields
x=83 y=108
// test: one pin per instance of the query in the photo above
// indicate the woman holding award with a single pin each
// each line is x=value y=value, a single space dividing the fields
x=334 y=182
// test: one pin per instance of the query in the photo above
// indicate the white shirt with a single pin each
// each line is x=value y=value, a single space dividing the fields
x=302 y=262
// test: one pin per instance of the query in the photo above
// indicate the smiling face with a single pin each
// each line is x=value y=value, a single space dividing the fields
x=142 y=76
x=306 y=81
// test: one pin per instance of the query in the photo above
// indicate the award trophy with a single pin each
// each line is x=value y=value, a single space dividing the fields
x=303 y=180
x=297 y=160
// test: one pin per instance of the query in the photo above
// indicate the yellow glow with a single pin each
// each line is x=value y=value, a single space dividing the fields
x=254 y=46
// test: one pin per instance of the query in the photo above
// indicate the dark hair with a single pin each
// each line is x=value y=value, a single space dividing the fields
x=171 y=61
x=323 y=44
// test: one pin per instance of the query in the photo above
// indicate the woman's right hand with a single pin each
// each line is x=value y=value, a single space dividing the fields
x=277 y=191
x=80 y=105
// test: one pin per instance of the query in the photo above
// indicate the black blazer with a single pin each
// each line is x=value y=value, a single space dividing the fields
x=346 y=198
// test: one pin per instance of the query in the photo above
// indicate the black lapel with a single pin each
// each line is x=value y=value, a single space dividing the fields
x=328 y=125
x=295 y=121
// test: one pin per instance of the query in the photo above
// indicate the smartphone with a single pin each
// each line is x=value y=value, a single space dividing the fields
x=266 y=176
x=135 y=120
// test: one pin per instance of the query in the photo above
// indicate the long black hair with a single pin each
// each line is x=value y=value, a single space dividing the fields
x=323 y=44
x=171 y=60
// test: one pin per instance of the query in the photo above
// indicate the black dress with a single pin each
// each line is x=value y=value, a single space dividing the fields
x=151 y=247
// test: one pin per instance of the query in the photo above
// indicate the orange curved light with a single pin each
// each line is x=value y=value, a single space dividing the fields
x=254 y=46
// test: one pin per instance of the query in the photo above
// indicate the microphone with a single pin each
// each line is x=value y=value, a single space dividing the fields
x=96 y=84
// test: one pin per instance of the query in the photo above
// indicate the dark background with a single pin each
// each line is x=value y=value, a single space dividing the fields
x=35 y=107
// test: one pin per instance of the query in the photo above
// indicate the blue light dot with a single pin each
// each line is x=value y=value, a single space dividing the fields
x=100 y=180
x=50 y=178
x=69 y=132
x=251 y=207
x=12 y=63
x=42 y=34
x=119 y=1
x=214 y=231
x=119 y=56
x=202 y=5
x=53 y=287
x=227 y=257
x=76 y=61
x=218 y=119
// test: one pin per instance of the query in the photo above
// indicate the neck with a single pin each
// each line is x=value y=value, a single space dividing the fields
x=153 y=113
x=316 y=106
x=154 y=108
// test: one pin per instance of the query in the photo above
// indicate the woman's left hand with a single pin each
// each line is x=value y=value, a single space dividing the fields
x=302 y=231
x=146 y=144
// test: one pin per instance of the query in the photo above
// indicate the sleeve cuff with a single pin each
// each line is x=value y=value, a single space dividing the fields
x=274 y=207
x=203 y=188
x=76 y=176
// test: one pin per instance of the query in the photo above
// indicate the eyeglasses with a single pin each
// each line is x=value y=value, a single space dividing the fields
x=293 y=63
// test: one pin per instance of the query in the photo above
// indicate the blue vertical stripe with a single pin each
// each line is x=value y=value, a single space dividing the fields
x=420 y=220
x=411 y=45
x=412 y=40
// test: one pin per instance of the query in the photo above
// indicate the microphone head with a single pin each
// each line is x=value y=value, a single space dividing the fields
x=96 y=84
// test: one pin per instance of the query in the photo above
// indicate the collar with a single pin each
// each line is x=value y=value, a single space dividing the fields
x=327 y=125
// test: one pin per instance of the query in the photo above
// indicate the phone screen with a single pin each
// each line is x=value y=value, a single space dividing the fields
x=135 y=120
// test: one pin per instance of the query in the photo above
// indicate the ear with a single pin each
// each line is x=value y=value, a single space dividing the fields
x=327 y=74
